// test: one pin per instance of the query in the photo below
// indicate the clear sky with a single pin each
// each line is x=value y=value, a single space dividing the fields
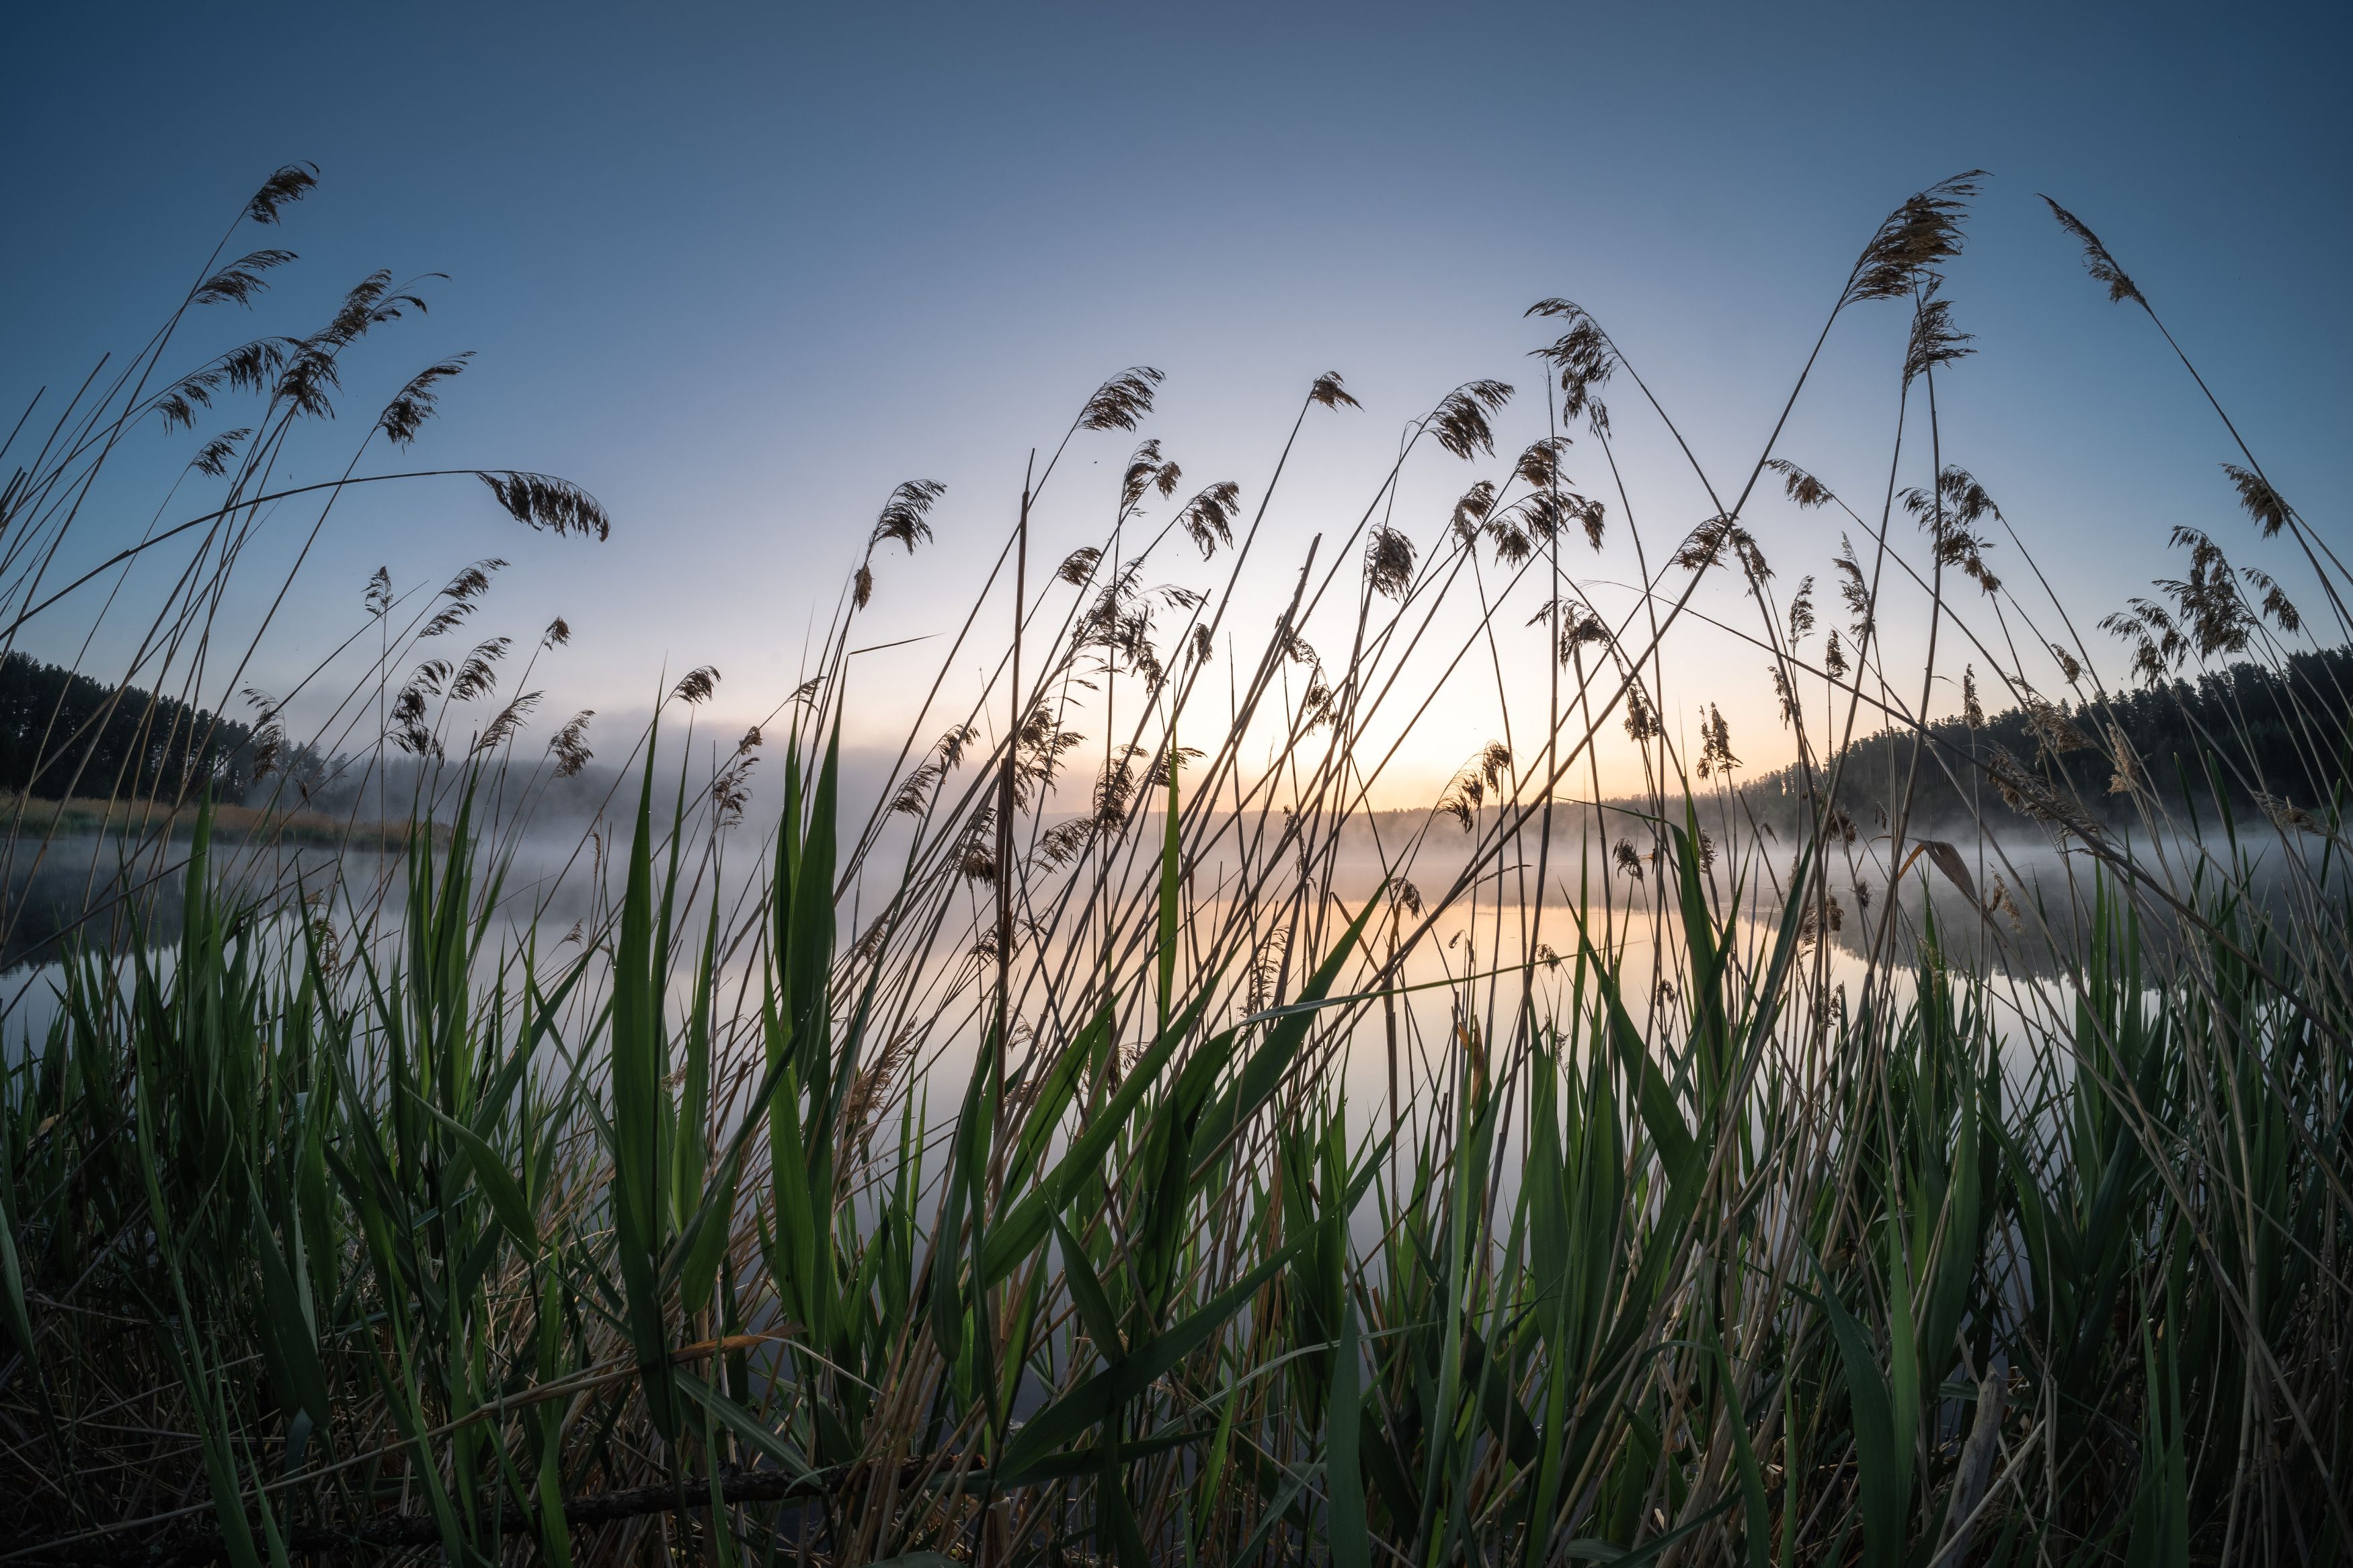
x=741 y=269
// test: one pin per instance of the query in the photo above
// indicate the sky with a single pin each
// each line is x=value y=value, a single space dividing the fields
x=739 y=270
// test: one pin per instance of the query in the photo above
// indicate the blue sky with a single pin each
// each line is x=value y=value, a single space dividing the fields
x=741 y=269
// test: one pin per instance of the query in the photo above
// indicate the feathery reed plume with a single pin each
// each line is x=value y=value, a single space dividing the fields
x=1911 y=240
x=2286 y=815
x=1641 y=719
x=268 y=740
x=405 y=414
x=2053 y=731
x=475 y=580
x=1819 y=920
x=1704 y=547
x=914 y=797
x=696 y=685
x=1588 y=513
x=1949 y=515
x=1208 y=519
x=731 y=789
x=1582 y=355
x=558 y=632
x=1389 y=562
x=1509 y=534
x=2096 y=260
x=313 y=363
x=291 y=184
x=545 y=502
x=569 y=745
x=862 y=586
x=1801 y=609
x=2275 y=602
x=2159 y=645
x=952 y=744
x=1935 y=340
x=903 y=519
x=1121 y=402
x=1800 y=486
x=1579 y=627
x=1327 y=391
x=1628 y=858
x=1472 y=509
x=426 y=679
x=501 y=730
x=1972 y=710
x=1538 y=467
x=975 y=855
x=1039 y=751
x=1462 y=798
x=477 y=676
x=2262 y=503
x=1078 y=566
x=1265 y=972
x=463 y=592
x=2126 y=777
x=378 y=597
x=1459 y=421
x=1115 y=784
x=446 y=619
x=1169 y=763
x=1715 y=741
x=1147 y=470
x=1855 y=590
x=241 y=280
x=1834 y=656
x=869 y=1087
x=250 y=367
x=407 y=720
x=212 y=458
x=2211 y=615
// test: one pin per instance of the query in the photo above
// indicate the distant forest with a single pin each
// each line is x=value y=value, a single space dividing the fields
x=63 y=733
x=2219 y=741
x=2225 y=737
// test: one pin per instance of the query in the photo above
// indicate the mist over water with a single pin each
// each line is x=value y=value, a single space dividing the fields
x=1509 y=938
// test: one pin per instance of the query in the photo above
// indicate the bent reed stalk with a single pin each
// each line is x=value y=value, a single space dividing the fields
x=977 y=1180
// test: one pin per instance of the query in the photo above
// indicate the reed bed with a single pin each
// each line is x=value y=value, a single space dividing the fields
x=991 y=1175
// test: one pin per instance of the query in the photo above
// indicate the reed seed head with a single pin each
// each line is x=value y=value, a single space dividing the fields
x=2096 y=260
x=289 y=185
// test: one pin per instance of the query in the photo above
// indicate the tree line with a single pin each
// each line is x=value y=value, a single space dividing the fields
x=2244 y=737
x=63 y=734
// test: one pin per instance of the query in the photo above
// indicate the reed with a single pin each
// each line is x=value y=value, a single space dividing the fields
x=979 y=1179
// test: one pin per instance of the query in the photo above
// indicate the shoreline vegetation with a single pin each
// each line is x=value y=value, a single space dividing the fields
x=138 y=821
x=949 y=1176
